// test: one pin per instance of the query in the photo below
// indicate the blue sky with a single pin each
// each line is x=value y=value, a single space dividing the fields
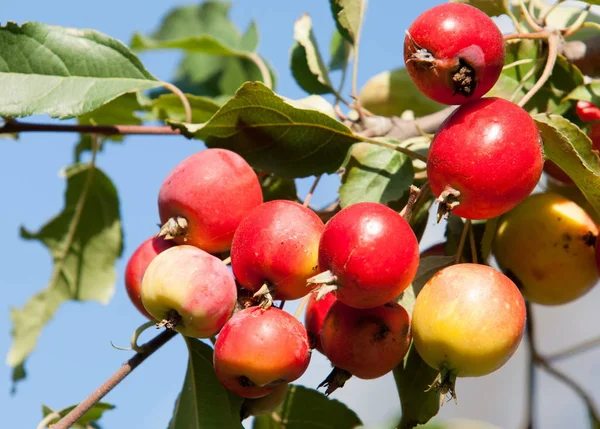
x=74 y=355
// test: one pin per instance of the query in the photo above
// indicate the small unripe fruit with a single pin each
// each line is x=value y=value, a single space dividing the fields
x=454 y=53
x=190 y=289
x=205 y=197
x=368 y=343
x=485 y=159
x=546 y=243
x=277 y=244
x=258 y=350
x=371 y=252
x=468 y=320
x=316 y=311
x=136 y=267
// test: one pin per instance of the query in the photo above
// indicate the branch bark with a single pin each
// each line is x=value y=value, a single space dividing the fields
x=13 y=126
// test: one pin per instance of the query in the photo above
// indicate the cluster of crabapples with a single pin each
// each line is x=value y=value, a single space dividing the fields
x=468 y=319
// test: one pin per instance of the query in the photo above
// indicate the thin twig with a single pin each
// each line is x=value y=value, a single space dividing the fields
x=576 y=26
x=312 y=191
x=530 y=20
x=534 y=36
x=553 y=41
x=105 y=130
x=46 y=420
x=410 y=153
x=149 y=348
x=531 y=379
x=574 y=350
x=461 y=243
x=186 y=103
x=472 y=243
x=413 y=196
x=227 y=260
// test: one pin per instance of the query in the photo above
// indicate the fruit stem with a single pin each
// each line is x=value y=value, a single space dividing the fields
x=227 y=260
x=461 y=243
x=312 y=190
x=472 y=243
x=150 y=347
x=553 y=43
x=406 y=212
x=528 y=17
x=134 y=338
x=186 y=103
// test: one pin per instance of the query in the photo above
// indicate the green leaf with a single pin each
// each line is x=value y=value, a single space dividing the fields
x=278 y=188
x=90 y=417
x=571 y=149
x=203 y=44
x=589 y=92
x=250 y=38
x=203 y=402
x=375 y=174
x=272 y=135
x=428 y=266
x=83 y=266
x=307 y=64
x=339 y=51
x=391 y=93
x=489 y=7
x=488 y=237
x=64 y=72
x=120 y=111
x=305 y=408
x=348 y=16
x=413 y=378
x=169 y=106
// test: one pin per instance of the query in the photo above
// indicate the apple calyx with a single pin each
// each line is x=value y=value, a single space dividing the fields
x=265 y=295
x=448 y=200
x=335 y=380
x=328 y=282
x=445 y=384
x=174 y=227
x=173 y=319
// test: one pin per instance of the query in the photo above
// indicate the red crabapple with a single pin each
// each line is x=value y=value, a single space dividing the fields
x=258 y=350
x=316 y=311
x=368 y=343
x=189 y=290
x=277 y=245
x=136 y=267
x=468 y=321
x=205 y=197
x=371 y=254
x=454 y=53
x=485 y=159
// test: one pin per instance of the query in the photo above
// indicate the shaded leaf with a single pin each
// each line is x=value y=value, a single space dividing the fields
x=305 y=408
x=339 y=51
x=249 y=40
x=571 y=149
x=74 y=72
x=307 y=64
x=489 y=7
x=391 y=93
x=413 y=378
x=488 y=237
x=348 y=16
x=169 y=106
x=203 y=402
x=589 y=92
x=428 y=266
x=272 y=135
x=83 y=267
x=203 y=44
x=278 y=188
x=121 y=110
x=313 y=102
x=375 y=174
x=90 y=417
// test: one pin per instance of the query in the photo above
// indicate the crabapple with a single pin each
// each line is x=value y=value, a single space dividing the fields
x=485 y=159
x=316 y=311
x=277 y=245
x=546 y=245
x=454 y=53
x=258 y=350
x=587 y=111
x=190 y=290
x=467 y=321
x=371 y=254
x=368 y=343
x=136 y=267
x=205 y=197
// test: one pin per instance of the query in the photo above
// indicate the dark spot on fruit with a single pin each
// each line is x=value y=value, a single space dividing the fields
x=565 y=246
x=537 y=273
x=589 y=239
x=382 y=333
x=567 y=237
x=246 y=382
x=315 y=267
x=464 y=79
x=559 y=219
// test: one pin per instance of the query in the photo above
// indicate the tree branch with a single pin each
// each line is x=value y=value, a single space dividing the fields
x=13 y=126
x=148 y=348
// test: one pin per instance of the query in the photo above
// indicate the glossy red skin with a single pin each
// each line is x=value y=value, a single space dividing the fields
x=372 y=251
x=369 y=343
x=587 y=112
x=554 y=170
x=316 y=311
x=491 y=151
x=277 y=243
x=136 y=267
x=268 y=347
x=213 y=190
x=451 y=32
